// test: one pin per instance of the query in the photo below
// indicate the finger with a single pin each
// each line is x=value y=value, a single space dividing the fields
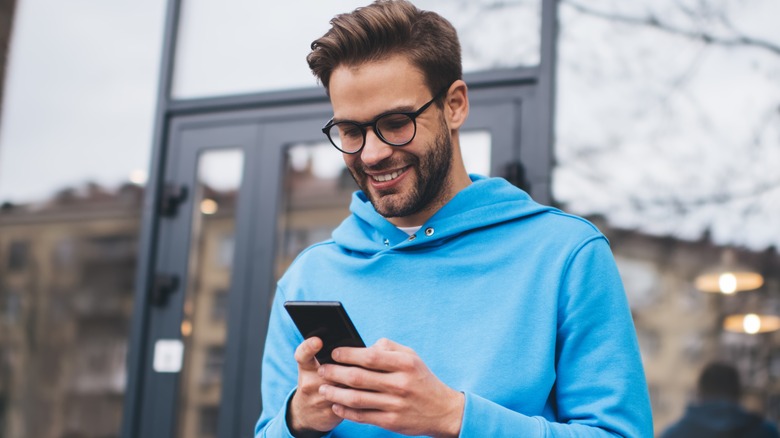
x=365 y=416
x=353 y=377
x=376 y=357
x=358 y=377
x=388 y=345
x=357 y=399
x=305 y=352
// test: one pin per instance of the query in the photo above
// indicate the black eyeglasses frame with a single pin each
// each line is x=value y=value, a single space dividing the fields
x=362 y=126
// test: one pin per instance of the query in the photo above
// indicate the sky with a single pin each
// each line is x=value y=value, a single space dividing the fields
x=79 y=94
x=651 y=127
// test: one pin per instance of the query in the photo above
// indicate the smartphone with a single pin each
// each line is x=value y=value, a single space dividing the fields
x=328 y=321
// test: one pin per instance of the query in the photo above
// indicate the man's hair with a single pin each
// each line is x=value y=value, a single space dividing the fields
x=719 y=381
x=386 y=28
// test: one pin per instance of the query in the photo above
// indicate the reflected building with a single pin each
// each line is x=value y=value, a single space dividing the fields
x=66 y=293
x=680 y=328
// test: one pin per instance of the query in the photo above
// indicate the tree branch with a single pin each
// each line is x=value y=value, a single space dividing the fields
x=685 y=205
x=655 y=23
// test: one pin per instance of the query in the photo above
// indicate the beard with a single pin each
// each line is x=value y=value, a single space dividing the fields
x=432 y=180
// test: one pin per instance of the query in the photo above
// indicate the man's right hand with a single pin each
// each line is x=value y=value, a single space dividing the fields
x=309 y=414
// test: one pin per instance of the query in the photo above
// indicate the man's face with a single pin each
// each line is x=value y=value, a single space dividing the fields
x=406 y=184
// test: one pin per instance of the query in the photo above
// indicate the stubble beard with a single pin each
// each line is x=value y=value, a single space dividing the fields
x=432 y=181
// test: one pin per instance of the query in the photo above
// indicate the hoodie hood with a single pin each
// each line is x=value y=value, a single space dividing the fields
x=486 y=202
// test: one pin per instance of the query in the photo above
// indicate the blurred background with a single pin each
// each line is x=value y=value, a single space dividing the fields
x=666 y=135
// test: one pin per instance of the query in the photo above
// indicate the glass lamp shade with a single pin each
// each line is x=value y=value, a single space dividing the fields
x=728 y=277
x=751 y=323
x=729 y=282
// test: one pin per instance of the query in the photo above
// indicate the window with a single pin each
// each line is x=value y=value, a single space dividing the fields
x=18 y=255
x=212 y=366
x=227 y=245
x=11 y=307
x=222 y=50
x=207 y=426
x=219 y=306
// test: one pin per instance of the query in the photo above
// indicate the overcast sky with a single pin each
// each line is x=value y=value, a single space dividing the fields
x=79 y=94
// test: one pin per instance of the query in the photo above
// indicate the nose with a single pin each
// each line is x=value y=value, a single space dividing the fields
x=375 y=150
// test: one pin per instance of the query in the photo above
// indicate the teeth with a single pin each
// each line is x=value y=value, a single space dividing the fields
x=388 y=177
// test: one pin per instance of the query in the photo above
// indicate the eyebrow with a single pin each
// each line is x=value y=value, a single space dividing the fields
x=400 y=109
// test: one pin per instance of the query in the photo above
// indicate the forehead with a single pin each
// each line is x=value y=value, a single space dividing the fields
x=363 y=91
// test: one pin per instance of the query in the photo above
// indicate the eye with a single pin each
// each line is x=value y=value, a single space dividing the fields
x=394 y=123
x=348 y=130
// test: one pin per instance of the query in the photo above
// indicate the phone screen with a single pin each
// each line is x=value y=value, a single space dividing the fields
x=328 y=321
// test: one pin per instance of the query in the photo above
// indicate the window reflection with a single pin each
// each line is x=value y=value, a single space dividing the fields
x=204 y=327
x=317 y=192
x=232 y=47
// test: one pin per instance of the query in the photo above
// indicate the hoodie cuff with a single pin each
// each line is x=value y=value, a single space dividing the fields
x=482 y=417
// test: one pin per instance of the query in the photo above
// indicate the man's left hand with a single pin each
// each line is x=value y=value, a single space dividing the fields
x=391 y=387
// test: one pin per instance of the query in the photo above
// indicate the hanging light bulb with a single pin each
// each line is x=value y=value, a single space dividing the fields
x=727 y=283
x=728 y=277
x=751 y=323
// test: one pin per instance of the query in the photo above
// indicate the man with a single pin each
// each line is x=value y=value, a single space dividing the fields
x=717 y=414
x=485 y=313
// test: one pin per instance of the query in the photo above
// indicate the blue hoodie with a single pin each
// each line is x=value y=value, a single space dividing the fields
x=517 y=305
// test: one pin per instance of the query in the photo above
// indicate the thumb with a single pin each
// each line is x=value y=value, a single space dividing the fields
x=305 y=352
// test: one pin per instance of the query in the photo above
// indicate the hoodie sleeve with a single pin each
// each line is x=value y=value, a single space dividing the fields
x=279 y=372
x=600 y=387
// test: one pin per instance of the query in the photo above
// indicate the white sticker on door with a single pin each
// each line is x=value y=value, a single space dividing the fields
x=168 y=355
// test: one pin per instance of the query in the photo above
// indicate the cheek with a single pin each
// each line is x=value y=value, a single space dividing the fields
x=350 y=160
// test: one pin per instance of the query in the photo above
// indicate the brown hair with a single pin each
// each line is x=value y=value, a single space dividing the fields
x=386 y=28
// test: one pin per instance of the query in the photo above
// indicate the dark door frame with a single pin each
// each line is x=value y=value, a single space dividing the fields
x=533 y=86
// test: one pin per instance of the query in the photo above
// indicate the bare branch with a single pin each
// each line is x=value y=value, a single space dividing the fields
x=685 y=205
x=655 y=23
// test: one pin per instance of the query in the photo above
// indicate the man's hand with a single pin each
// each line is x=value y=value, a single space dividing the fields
x=392 y=388
x=309 y=412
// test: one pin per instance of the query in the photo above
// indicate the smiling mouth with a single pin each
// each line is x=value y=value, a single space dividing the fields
x=388 y=176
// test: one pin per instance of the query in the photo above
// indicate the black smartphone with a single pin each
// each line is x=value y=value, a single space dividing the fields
x=328 y=321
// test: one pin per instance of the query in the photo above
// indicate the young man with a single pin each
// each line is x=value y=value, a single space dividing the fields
x=487 y=314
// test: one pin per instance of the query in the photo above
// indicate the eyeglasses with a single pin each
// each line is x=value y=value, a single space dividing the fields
x=394 y=128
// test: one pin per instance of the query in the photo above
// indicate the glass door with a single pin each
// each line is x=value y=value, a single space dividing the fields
x=196 y=295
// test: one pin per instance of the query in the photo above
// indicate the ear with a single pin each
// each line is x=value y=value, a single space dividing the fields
x=456 y=104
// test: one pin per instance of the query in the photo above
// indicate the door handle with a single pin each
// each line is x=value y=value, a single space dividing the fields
x=163 y=286
x=172 y=197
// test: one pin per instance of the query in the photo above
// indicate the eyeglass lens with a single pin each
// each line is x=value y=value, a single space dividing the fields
x=395 y=129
